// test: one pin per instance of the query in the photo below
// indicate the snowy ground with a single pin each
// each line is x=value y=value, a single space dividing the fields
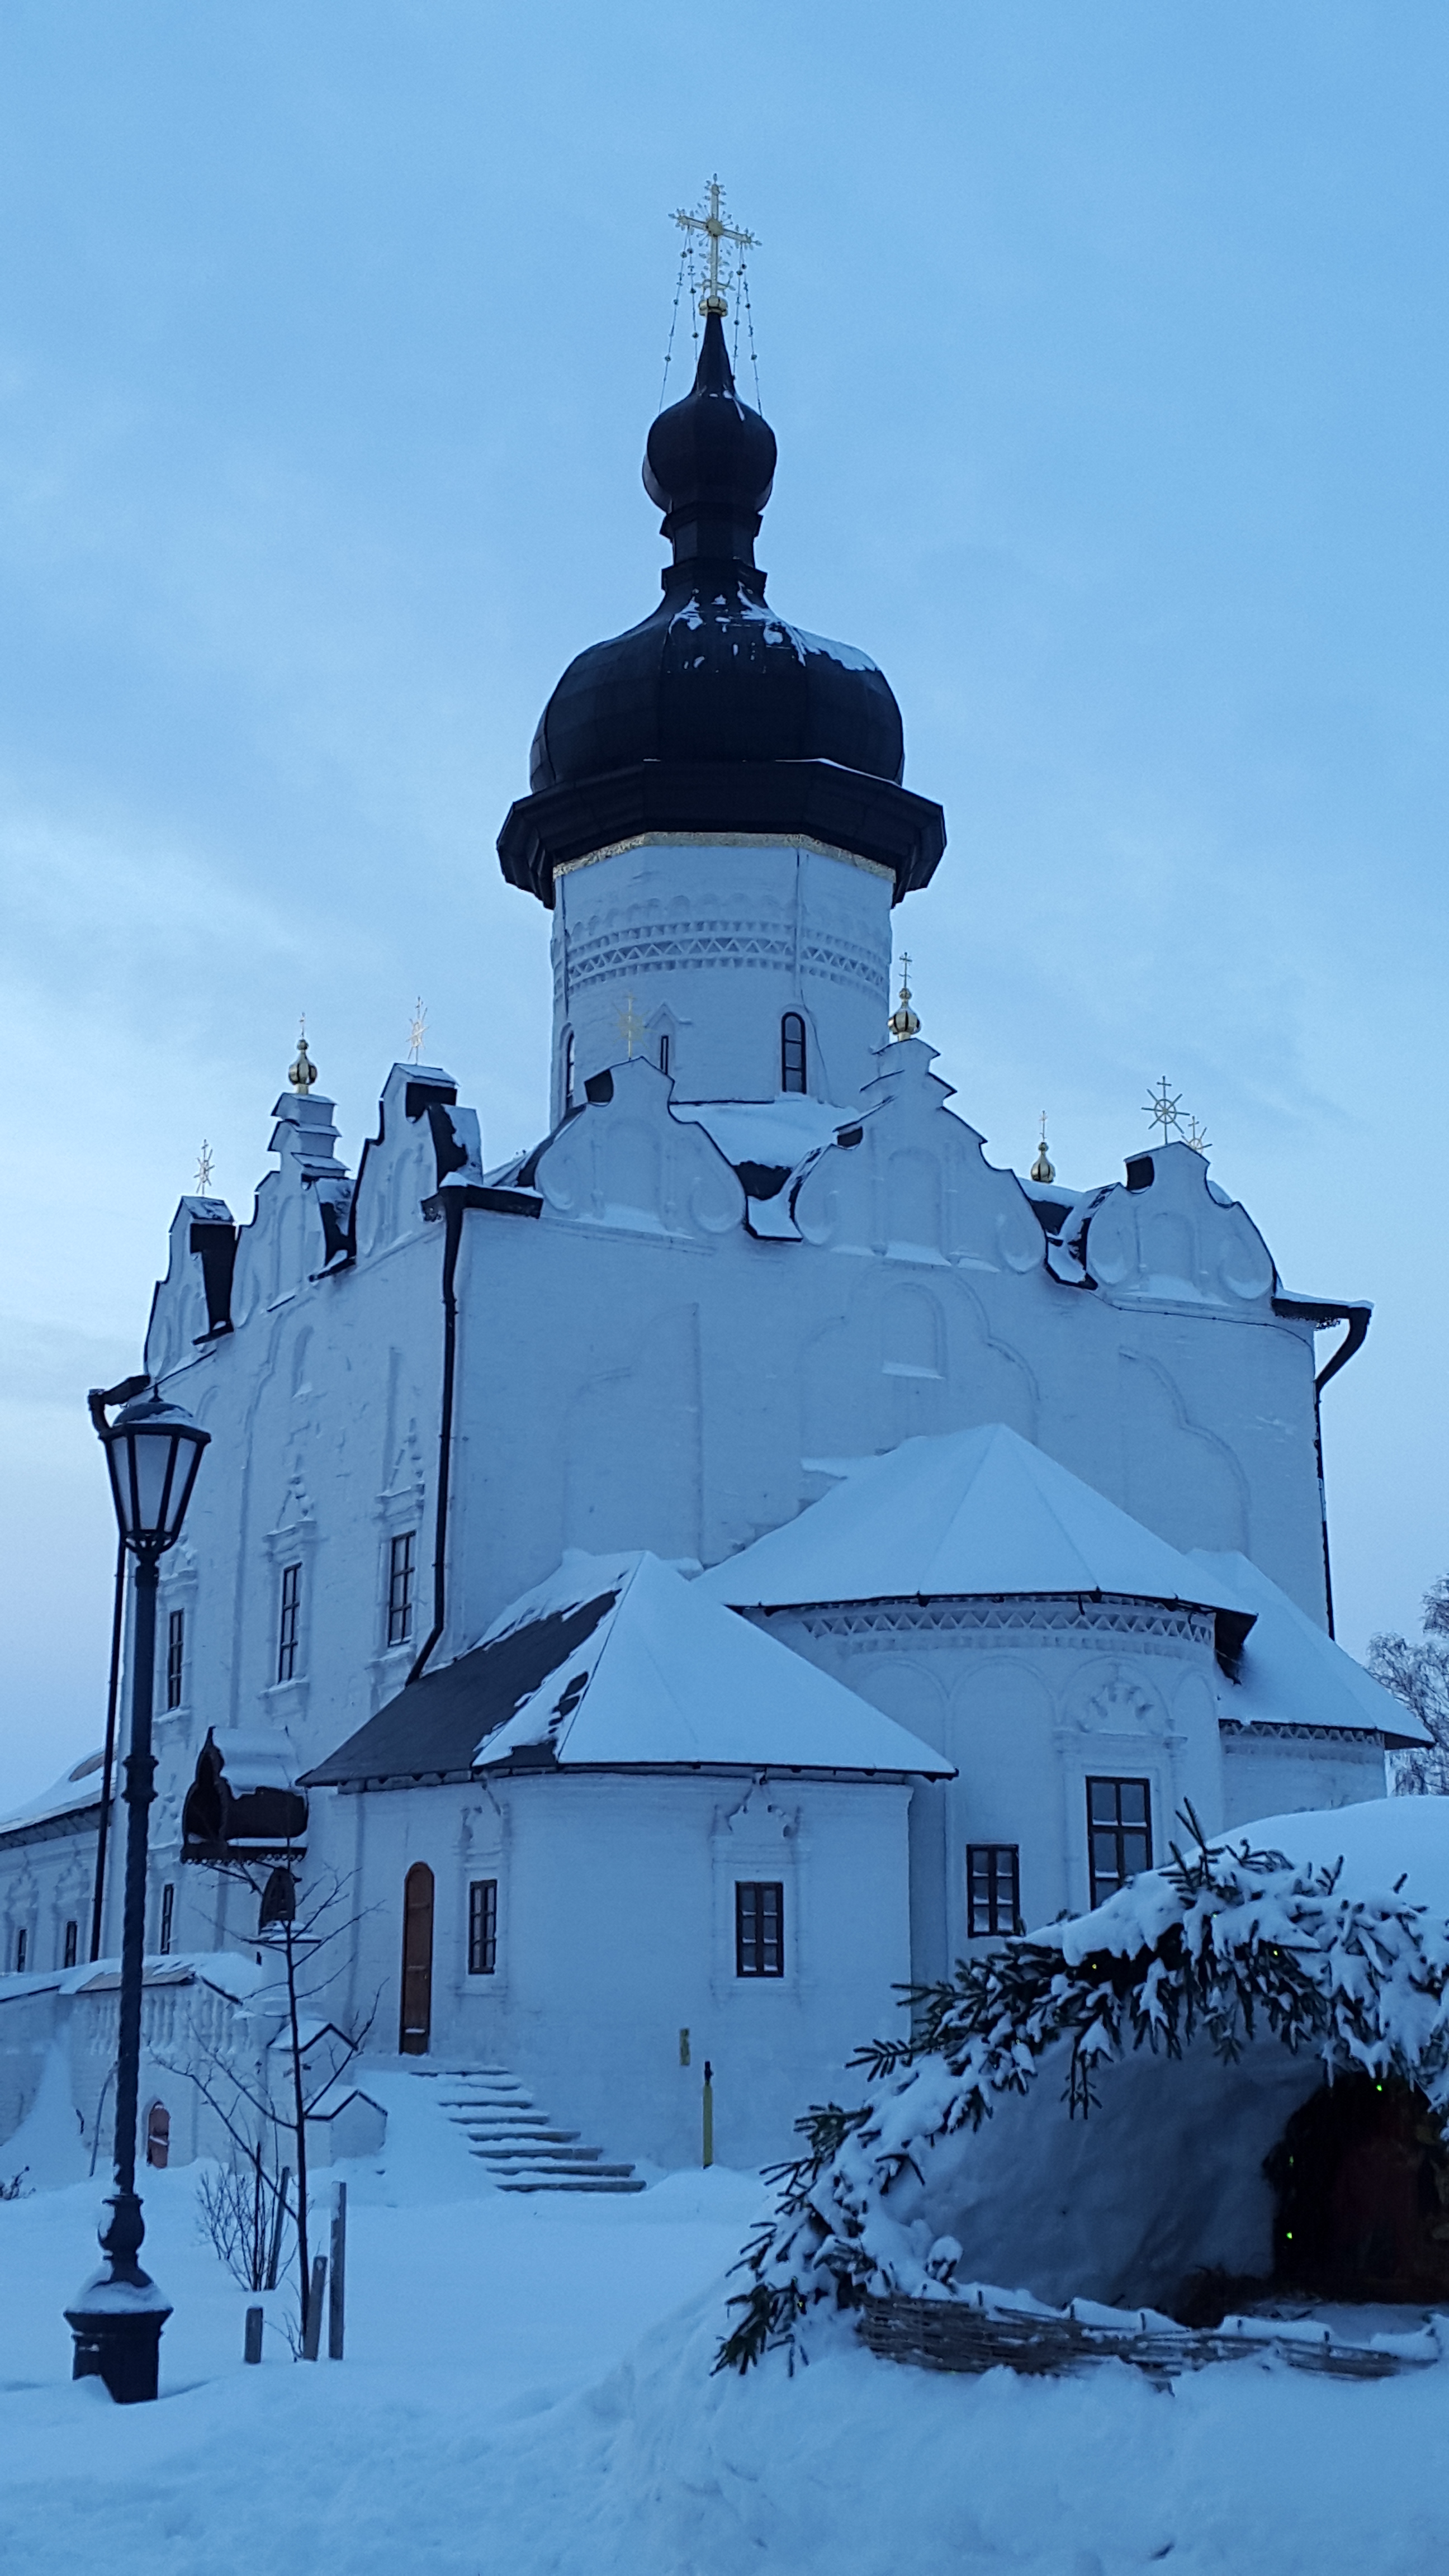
x=527 y=2390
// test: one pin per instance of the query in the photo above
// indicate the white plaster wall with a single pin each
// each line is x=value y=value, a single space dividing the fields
x=1277 y=1775
x=714 y=943
x=1027 y=1716
x=616 y=1932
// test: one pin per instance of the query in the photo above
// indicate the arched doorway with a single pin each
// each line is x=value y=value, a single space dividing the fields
x=1362 y=2177
x=415 y=2029
x=158 y=2136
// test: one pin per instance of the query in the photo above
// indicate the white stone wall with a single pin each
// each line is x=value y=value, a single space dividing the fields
x=1029 y=1701
x=616 y=1932
x=713 y=943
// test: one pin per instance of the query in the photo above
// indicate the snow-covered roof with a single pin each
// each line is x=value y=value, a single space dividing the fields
x=617 y=1661
x=970 y=1512
x=80 y=1788
x=1291 y=1673
x=771 y=1144
x=669 y=1677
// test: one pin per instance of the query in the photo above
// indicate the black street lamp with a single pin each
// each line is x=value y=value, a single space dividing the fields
x=153 y=1451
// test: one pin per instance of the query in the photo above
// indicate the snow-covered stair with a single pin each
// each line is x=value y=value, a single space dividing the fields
x=513 y=2139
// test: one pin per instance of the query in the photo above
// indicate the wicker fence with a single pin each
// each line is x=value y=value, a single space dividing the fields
x=952 y=2334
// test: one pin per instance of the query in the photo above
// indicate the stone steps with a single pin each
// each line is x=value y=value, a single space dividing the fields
x=514 y=2141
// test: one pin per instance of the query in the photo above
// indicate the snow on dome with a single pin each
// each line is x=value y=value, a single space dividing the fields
x=970 y=1512
x=668 y=1677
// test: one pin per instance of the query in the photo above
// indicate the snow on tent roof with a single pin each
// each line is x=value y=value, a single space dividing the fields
x=1290 y=1673
x=669 y=1678
x=973 y=1512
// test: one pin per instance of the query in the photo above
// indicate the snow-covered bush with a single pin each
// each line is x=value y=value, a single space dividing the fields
x=1213 y=1956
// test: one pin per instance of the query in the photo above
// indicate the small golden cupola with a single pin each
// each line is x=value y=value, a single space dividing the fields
x=903 y=1022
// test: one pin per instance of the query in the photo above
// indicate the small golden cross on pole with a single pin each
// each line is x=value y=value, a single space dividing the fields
x=203 y=1168
x=631 y=1027
x=418 y=1031
x=715 y=230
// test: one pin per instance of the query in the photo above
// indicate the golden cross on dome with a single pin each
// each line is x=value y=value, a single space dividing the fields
x=418 y=1031
x=1162 y=1106
x=1197 y=1137
x=303 y=1073
x=631 y=1027
x=715 y=230
x=903 y=1022
x=203 y=1168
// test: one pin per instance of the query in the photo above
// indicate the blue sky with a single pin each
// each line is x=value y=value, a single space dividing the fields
x=1105 y=346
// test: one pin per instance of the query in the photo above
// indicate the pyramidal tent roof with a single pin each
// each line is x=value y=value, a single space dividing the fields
x=970 y=1512
x=616 y=1662
x=670 y=1678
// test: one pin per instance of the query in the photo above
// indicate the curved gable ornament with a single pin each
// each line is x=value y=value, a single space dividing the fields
x=1169 y=1236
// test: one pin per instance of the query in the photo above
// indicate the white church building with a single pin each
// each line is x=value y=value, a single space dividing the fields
x=710 y=1571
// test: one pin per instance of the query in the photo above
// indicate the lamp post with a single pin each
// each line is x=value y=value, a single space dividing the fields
x=153 y=1451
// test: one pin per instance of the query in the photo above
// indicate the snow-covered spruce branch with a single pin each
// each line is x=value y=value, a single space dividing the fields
x=1222 y=1943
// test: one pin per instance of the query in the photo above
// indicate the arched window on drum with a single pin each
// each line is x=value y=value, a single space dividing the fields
x=792 y=1052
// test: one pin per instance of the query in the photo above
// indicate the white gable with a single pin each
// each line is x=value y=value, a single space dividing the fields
x=976 y=1512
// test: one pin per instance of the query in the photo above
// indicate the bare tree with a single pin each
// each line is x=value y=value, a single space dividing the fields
x=1419 y=1676
x=243 y=2209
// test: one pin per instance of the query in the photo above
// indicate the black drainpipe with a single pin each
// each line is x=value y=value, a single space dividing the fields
x=453 y=1208
x=1357 y=1320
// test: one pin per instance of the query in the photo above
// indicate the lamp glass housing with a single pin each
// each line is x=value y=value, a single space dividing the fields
x=153 y=1450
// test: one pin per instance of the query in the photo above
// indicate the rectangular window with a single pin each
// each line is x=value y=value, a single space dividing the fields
x=993 y=1888
x=1119 y=1833
x=168 y=1913
x=22 y=1952
x=759 y=1928
x=175 y=1657
x=483 y=1927
x=400 y=1589
x=289 y=1623
x=72 y=1944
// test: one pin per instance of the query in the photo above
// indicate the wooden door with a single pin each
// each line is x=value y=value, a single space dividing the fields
x=417 y=1962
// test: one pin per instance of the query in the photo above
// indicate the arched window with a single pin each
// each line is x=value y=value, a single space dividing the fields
x=158 y=2136
x=664 y=1052
x=792 y=1052
x=568 y=1069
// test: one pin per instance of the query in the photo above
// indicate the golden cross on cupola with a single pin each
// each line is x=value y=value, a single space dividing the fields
x=303 y=1073
x=203 y=1168
x=418 y=1031
x=715 y=231
x=1162 y=1106
x=631 y=1027
x=903 y=1022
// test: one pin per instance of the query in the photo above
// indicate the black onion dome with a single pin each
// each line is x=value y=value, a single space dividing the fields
x=714 y=674
x=687 y=721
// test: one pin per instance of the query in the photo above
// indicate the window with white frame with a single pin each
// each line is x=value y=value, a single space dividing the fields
x=289 y=1624
x=401 y=1574
x=175 y=1659
x=483 y=1927
x=759 y=1927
